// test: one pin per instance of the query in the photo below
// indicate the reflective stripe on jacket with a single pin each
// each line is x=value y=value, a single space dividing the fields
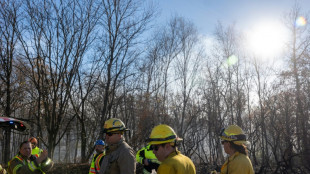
x=95 y=163
x=237 y=163
x=176 y=163
x=19 y=165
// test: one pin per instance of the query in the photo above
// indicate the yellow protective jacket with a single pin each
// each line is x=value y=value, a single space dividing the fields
x=238 y=163
x=146 y=153
x=22 y=165
x=119 y=159
x=96 y=163
x=36 y=151
x=176 y=163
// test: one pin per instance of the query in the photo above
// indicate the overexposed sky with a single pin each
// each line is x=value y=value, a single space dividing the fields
x=261 y=21
x=244 y=13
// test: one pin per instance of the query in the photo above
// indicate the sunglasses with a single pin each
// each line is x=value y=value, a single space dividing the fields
x=156 y=147
x=110 y=134
x=223 y=142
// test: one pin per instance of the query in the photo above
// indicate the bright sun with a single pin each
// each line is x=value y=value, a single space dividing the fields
x=267 y=40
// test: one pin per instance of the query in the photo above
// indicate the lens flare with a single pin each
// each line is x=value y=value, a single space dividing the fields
x=230 y=61
x=300 y=21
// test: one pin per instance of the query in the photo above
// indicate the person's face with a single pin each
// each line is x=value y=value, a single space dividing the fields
x=25 y=150
x=112 y=138
x=226 y=146
x=160 y=151
x=99 y=148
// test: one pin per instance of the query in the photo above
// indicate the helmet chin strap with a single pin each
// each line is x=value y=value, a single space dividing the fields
x=175 y=145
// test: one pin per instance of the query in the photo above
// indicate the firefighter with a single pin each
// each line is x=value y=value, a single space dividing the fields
x=25 y=163
x=97 y=159
x=234 y=141
x=147 y=158
x=119 y=158
x=35 y=149
x=163 y=141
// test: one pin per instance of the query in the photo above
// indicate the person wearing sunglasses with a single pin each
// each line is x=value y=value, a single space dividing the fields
x=234 y=143
x=163 y=141
x=147 y=158
x=120 y=157
x=98 y=157
x=36 y=151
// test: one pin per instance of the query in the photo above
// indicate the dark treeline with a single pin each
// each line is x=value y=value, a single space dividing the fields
x=66 y=66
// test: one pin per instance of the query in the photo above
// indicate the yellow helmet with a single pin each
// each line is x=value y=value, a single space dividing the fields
x=233 y=133
x=114 y=125
x=163 y=134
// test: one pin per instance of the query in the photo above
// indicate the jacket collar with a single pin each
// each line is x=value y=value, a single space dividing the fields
x=233 y=156
x=174 y=153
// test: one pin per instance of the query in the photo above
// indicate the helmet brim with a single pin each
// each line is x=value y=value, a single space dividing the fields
x=238 y=142
x=115 y=130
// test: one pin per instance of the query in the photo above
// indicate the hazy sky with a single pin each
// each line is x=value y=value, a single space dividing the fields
x=206 y=13
x=261 y=21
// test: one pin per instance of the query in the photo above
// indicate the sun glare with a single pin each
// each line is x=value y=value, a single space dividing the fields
x=266 y=40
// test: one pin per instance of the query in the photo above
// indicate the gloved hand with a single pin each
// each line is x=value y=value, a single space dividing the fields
x=2 y=170
x=153 y=165
x=145 y=161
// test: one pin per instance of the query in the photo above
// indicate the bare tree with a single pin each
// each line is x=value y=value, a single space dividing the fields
x=299 y=48
x=262 y=90
x=79 y=97
x=122 y=22
x=11 y=82
x=228 y=40
x=187 y=66
x=224 y=90
x=55 y=39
